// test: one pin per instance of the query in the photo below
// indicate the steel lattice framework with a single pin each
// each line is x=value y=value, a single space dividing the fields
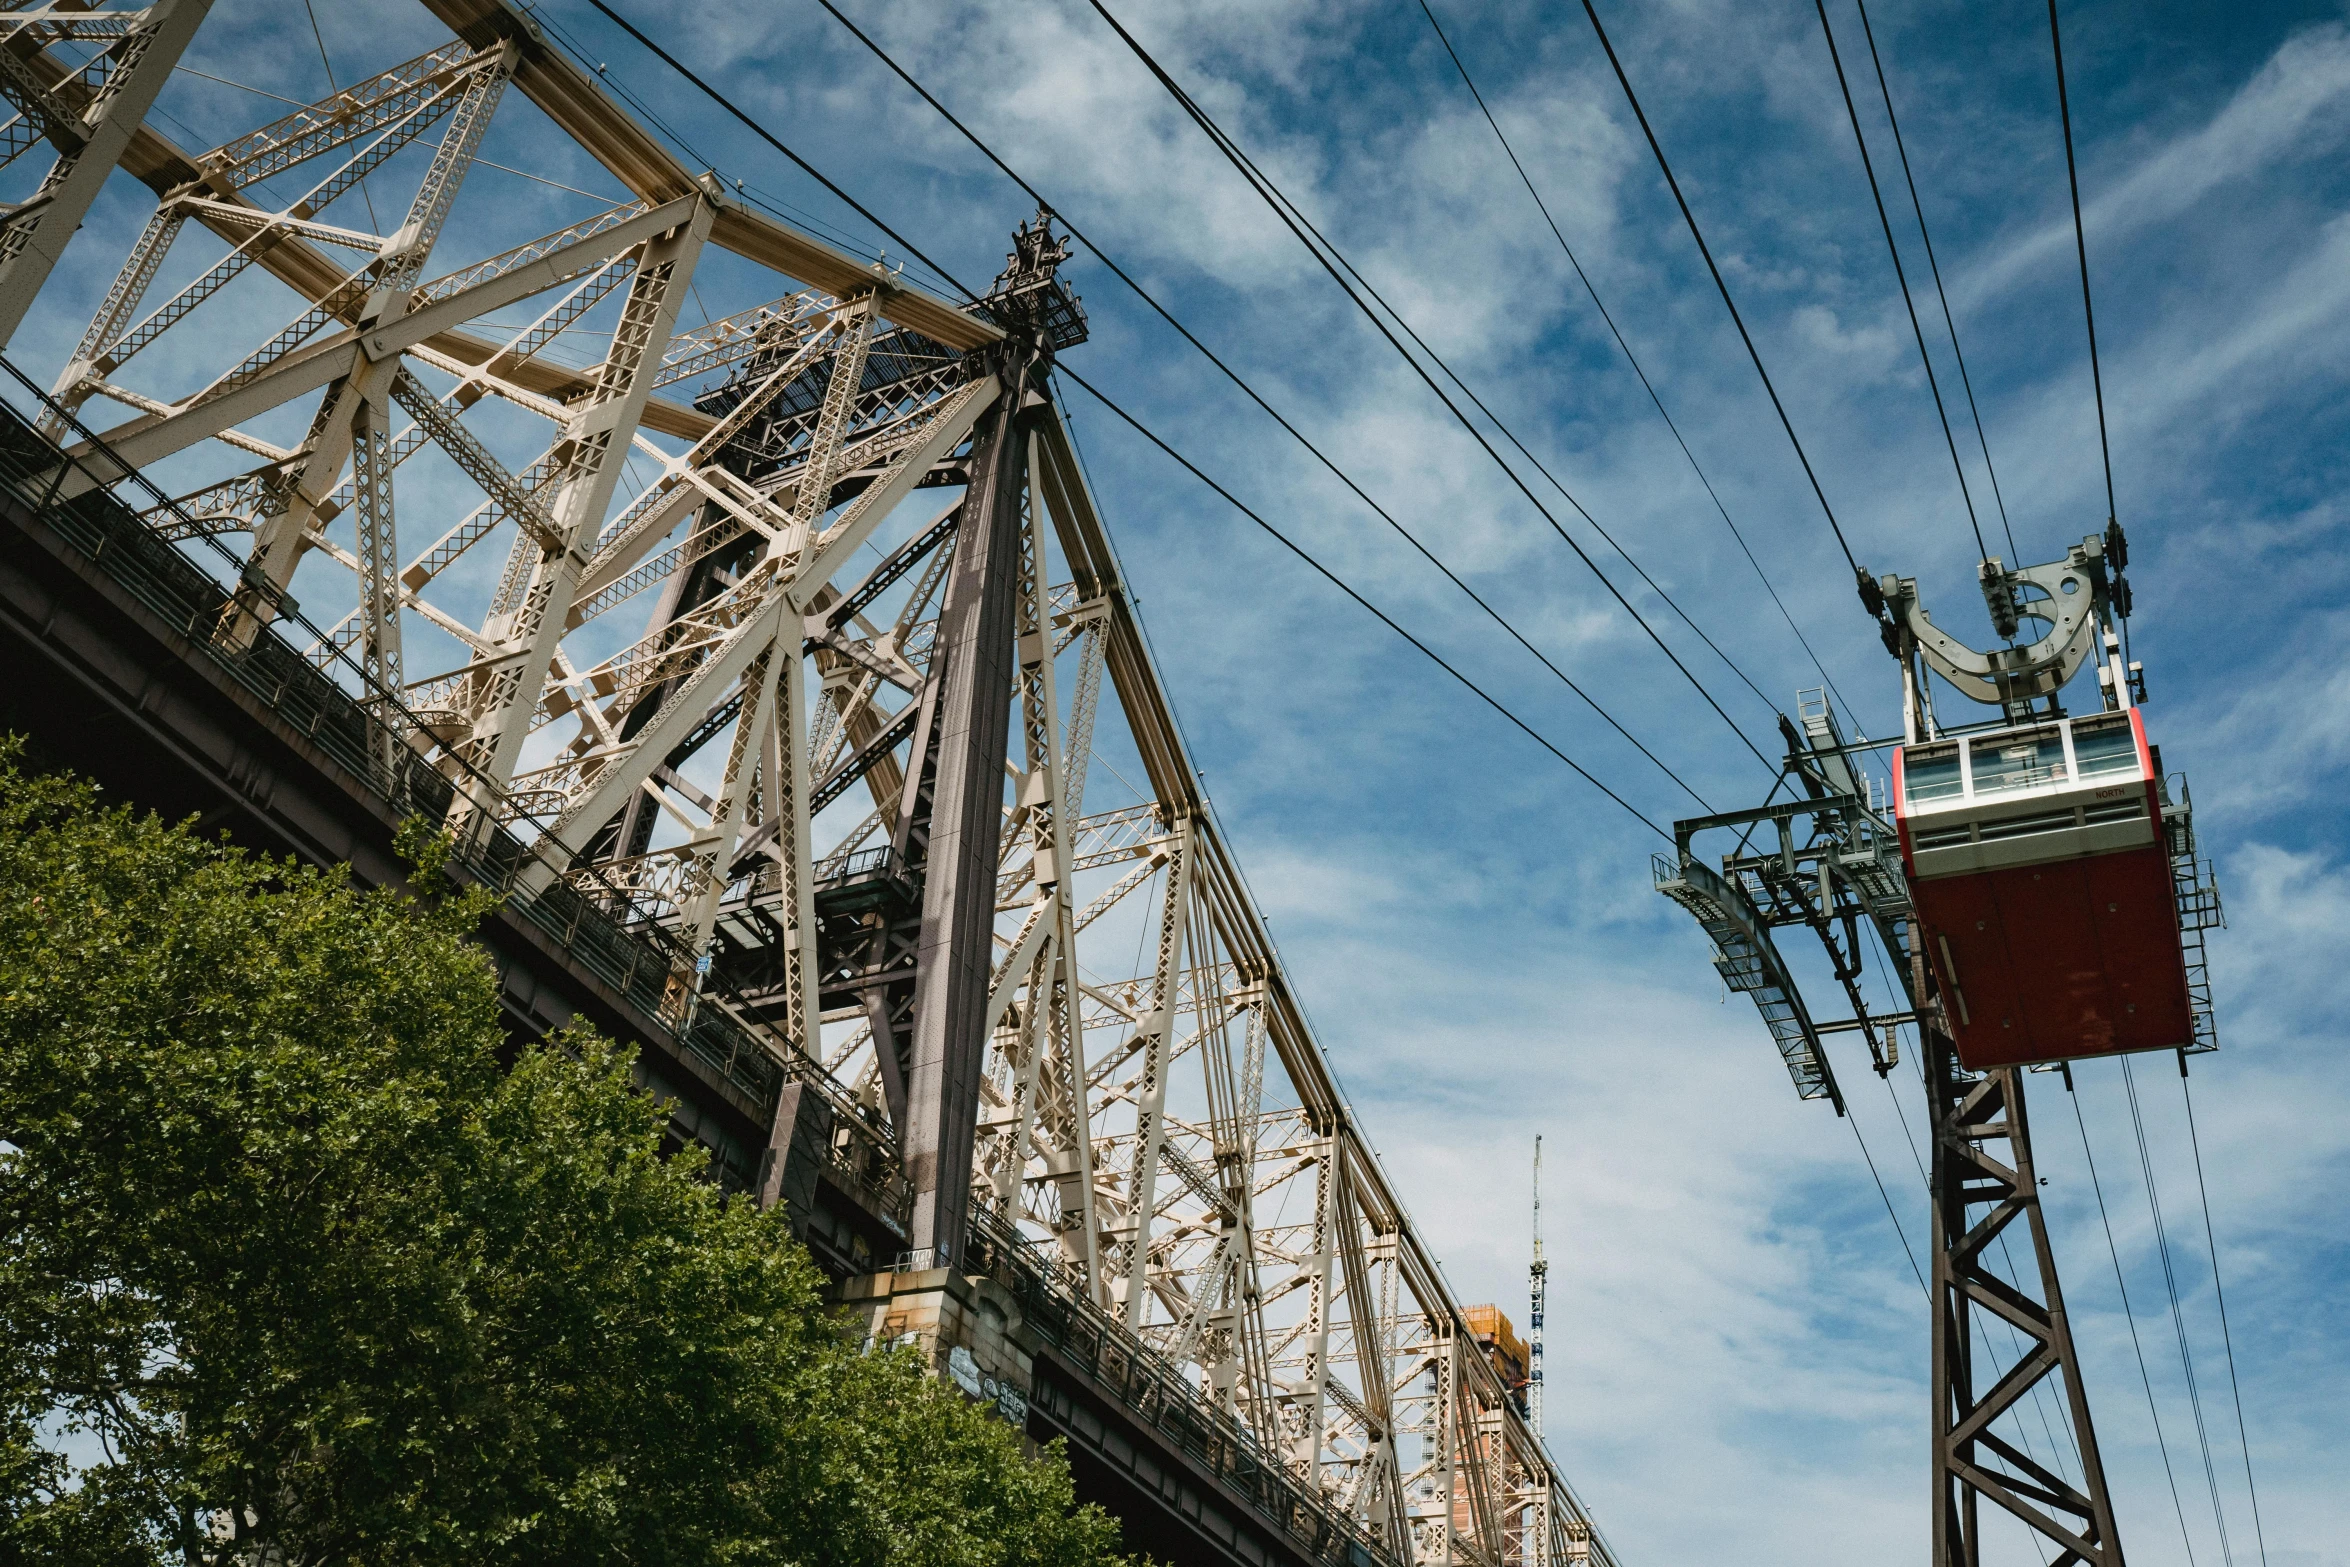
x=676 y=615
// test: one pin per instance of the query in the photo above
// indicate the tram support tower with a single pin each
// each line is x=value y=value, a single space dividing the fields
x=2034 y=883
x=1976 y=1195
x=1971 y=1461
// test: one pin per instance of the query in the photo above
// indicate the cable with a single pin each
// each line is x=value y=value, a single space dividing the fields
x=1723 y=287
x=2178 y=1318
x=1235 y=378
x=1271 y=412
x=2064 y=111
x=1239 y=162
x=1869 y=167
x=2226 y=1338
x=1335 y=581
x=1634 y=361
x=1496 y=421
x=1889 y=1213
x=312 y=12
x=1935 y=267
x=768 y=137
x=2129 y=1317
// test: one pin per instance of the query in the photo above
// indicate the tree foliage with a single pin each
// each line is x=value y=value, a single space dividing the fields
x=299 y=1263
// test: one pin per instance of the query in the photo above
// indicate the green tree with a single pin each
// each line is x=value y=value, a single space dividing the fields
x=300 y=1264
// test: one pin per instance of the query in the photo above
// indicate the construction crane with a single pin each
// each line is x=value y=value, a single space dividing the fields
x=2035 y=882
x=1539 y=1278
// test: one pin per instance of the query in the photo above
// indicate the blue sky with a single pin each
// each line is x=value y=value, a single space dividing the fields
x=1737 y=1345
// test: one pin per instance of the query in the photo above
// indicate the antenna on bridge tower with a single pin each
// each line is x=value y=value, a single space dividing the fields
x=1540 y=1275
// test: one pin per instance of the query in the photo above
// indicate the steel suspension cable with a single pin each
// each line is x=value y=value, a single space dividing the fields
x=1282 y=196
x=1340 y=584
x=2161 y=1444
x=1632 y=359
x=2196 y=1143
x=760 y=131
x=1901 y=275
x=2177 y=1316
x=1232 y=155
x=1935 y=267
x=2072 y=176
x=1270 y=411
x=1722 y=286
x=1887 y=1198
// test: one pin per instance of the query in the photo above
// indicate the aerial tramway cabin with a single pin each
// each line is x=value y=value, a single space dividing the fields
x=2042 y=882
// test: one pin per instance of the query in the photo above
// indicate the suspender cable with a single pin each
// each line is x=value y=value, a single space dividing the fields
x=1935 y=267
x=1630 y=358
x=1381 y=615
x=2064 y=110
x=1276 y=415
x=1233 y=156
x=1869 y=167
x=1723 y=287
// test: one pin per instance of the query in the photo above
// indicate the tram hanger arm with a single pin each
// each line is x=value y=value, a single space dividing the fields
x=2074 y=597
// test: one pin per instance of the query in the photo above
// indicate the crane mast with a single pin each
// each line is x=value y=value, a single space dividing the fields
x=1539 y=1278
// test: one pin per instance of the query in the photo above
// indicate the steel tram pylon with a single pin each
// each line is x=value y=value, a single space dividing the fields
x=2014 y=824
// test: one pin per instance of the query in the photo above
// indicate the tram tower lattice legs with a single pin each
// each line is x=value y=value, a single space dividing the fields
x=1972 y=1390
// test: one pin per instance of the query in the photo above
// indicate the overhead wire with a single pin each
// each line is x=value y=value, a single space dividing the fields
x=312 y=12
x=2072 y=176
x=1935 y=268
x=1721 y=286
x=1901 y=275
x=2178 y=1318
x=1239 y=162
x=1442 y=663
x=2088 y=309
x=1252 y=394
x=1632 y=359
x=1492 y=418
x=1237 y=380
x=1335 y=581
x=2161 y=1443
x=1887 y=1198
x=769 y=138
x=2195 y=1142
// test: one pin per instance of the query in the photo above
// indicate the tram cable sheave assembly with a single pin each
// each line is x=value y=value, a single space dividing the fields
x=2035 y=881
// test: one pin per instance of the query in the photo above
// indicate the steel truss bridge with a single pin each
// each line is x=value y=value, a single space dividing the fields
x=763 y=664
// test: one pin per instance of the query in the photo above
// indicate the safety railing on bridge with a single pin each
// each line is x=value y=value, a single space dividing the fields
x=194 y=583
x=1150 y=1389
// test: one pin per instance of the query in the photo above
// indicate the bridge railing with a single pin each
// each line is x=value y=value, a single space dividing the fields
x=1151 y=1389
x=194 y=584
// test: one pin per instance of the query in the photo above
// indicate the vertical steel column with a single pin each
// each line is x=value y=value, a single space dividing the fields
x=975 y=645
